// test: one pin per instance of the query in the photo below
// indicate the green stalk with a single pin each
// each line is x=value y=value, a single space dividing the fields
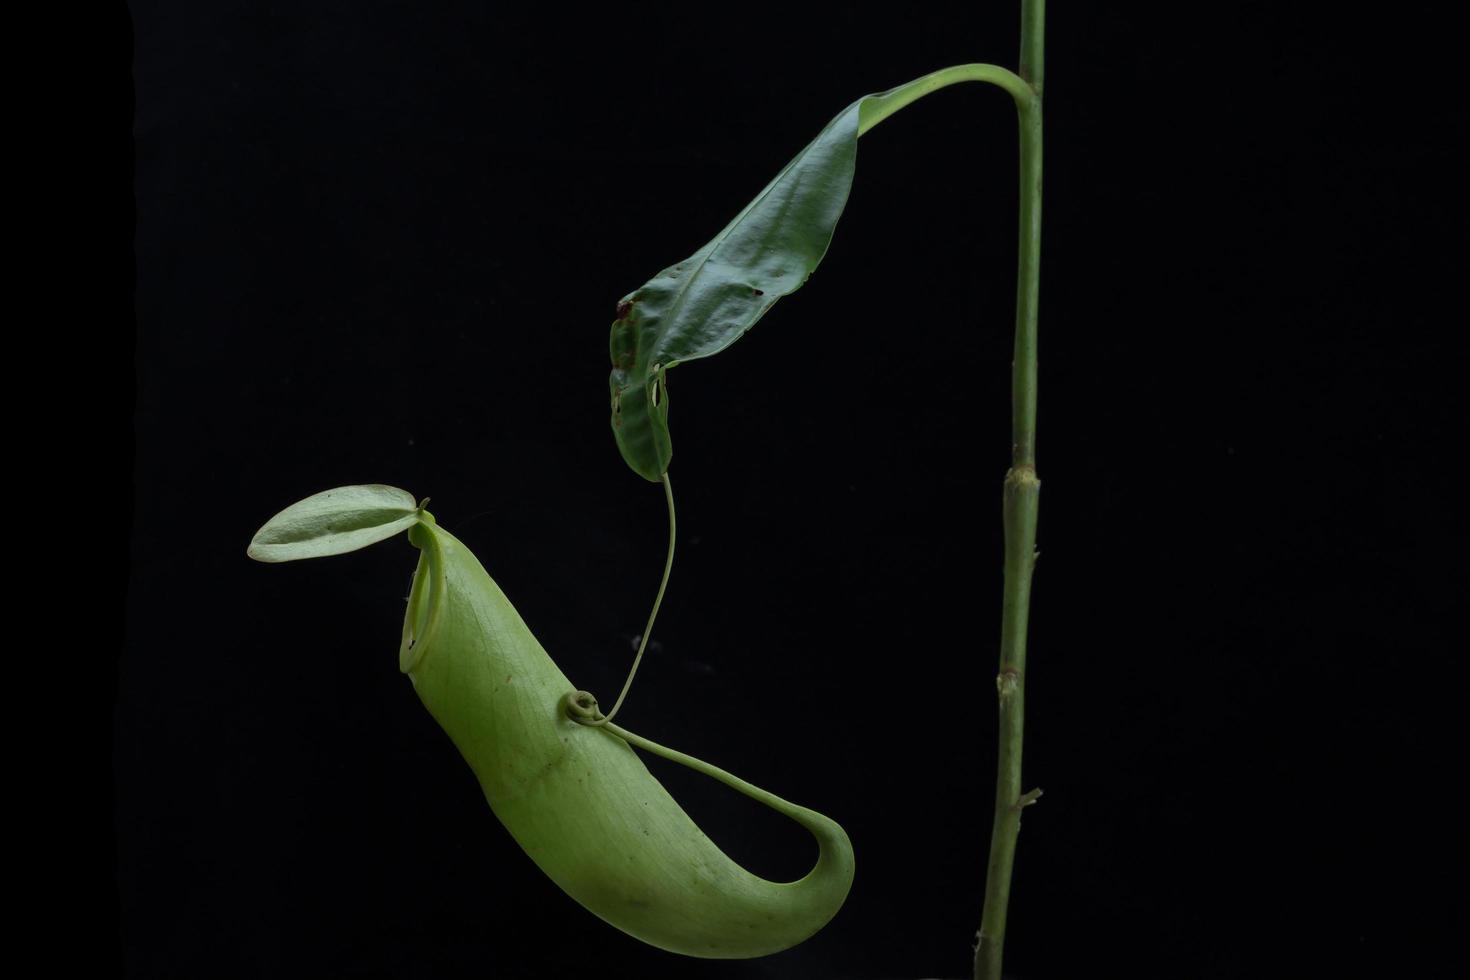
x=658 y=599
x=1020 y=502
x=881 y=107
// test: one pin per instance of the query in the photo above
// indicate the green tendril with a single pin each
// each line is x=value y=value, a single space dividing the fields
x=577 y=707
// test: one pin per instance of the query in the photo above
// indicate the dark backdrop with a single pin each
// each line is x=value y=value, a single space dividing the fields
x=382 y=242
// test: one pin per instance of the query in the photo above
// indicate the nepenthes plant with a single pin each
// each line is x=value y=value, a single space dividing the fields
x=562 y=778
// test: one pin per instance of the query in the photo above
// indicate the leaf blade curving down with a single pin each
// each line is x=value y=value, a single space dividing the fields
x=700 y=306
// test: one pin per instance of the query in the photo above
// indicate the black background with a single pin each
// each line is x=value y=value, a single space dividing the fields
x=382 y=242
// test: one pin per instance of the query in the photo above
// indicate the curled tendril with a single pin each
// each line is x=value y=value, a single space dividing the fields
x=582 y=708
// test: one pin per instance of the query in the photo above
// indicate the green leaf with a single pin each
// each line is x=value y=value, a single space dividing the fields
x=701 y=305
x=335 y=522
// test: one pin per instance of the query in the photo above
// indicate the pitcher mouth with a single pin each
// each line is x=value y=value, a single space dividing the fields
x=425 y=598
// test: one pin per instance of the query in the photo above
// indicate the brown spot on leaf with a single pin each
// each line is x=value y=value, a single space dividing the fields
x=624 y=308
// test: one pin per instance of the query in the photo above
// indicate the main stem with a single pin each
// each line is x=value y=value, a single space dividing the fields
x=1019 y=507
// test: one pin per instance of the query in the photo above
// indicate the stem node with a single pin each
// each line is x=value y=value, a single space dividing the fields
x=1007 y=683
x=1022 y=477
